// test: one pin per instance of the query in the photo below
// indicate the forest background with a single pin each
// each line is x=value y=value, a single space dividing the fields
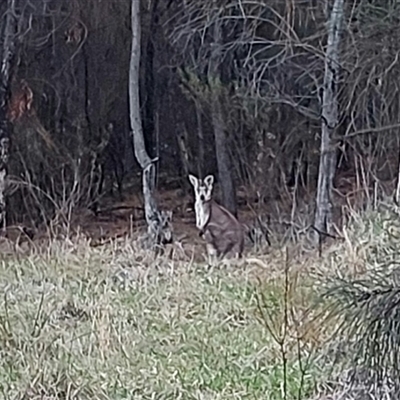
x=292 y=104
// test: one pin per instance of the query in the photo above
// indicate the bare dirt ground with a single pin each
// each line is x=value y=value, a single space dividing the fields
x=120 y=219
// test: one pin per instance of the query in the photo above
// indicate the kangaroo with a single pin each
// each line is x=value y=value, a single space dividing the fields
x=221 y=230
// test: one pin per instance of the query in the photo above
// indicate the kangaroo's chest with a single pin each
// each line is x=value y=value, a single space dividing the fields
x=202 y=215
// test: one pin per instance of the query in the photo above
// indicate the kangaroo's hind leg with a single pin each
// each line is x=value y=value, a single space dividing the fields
x=236 y=245
x=233 y=244
x=212 y=250
x=226 y=248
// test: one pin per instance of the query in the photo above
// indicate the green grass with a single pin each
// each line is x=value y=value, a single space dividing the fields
x=112 y=322
x=109 y=323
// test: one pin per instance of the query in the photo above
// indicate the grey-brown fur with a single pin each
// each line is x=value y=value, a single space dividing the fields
x=222 y=231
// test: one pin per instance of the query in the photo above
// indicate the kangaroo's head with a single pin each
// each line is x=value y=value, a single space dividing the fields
x=167 y=228
x=163 y=227
x=202 y=188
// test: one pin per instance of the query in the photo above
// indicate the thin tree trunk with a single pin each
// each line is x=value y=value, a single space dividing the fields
x=223 y=160
x=397 y=194
x=327 y=163
x=134 y=100
x=154 y=219
x=150 y=97
x=183 y=140
x=8 y=53
x=225 y=177
x=200 y=141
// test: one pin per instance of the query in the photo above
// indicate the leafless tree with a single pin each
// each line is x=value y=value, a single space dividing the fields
x=225 y=175
x=206 y=63
x=329 y=105
x=8 y=34
x=159 y=230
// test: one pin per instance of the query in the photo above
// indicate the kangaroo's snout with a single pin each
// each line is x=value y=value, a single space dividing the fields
x=167 y=238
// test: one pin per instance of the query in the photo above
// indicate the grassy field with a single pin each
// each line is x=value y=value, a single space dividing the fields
x=113 y=322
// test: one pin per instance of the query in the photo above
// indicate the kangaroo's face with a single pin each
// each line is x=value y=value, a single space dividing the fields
x=165 y=221
x=202 y=188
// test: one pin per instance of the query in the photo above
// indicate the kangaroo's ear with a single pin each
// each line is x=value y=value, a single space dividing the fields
x=194 y=181
x=209 y=181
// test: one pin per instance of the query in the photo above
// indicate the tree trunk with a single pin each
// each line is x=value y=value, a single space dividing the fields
x=200 y=142
x=154 y=219
x=150 y=97
x=225 y=177
x=327 y=163
x=5 y=128
x=183 y=140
